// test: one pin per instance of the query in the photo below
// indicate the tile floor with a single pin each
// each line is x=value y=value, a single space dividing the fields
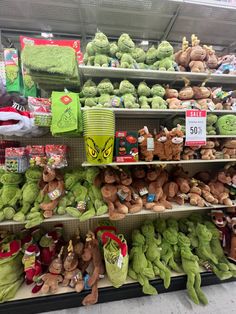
x=222 y=300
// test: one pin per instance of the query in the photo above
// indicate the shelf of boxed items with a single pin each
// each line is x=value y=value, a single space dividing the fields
x=154 y=75
x=176 y=209
x=26 y=302
x=156 y=113
x=158 y=162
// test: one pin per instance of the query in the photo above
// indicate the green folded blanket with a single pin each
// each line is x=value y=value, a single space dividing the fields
x=51 y=59
x=66 y=114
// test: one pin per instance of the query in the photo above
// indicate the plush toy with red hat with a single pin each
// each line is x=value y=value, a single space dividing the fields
x=48 y=247
x=33 y=267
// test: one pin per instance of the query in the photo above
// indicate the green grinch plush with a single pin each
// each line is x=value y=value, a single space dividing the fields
x=211 y=121
x=30 y=192
x=170 y=248
x=113 y=49
x=160 y=225
x=191 y=268
x=181 y=122
x=153 y=253
x=96 y=197
x=88 y=95
x=216 y=247
x=205 y=253
x=127 y=92
x=143 y=92
x=139 y=268
x=10 y=194
x=105 y=90
x=227 y=124
x=89 y=54
x=101 y=47
x=157 y=101
x=139 y=56
x=80 y=193
x=126 y=47
x=151 y=56
x=165 y=56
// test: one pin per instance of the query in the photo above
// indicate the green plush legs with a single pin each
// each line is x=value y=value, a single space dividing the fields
x=129 y=101
x=143 y=101
x=89 y=213
x=158 y=103
x=96 y=197
x=74 y=212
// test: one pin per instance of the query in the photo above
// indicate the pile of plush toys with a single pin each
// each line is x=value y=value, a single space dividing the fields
x=125 y=54
x=127 y=95
x=46 y=261
x=182 y=246
x=156 y=189
x=169 y=144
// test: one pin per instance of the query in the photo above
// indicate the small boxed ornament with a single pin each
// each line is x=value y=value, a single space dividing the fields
x=126 y=146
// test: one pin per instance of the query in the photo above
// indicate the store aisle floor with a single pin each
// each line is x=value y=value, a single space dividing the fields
x=222 y=300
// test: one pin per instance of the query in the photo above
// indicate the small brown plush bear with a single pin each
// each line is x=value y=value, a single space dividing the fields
x=53 y=277
x=229 y=149
x=172 y=99
x=197 y=56
x=207 y=151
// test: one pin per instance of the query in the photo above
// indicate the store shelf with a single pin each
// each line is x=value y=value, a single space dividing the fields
x=28 y=303
x=158 y=162
x=156 y=113
x=176 y=209
x=153 y=75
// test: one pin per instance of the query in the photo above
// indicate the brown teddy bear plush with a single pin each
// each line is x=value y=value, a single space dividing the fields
x=52 y=186
x=172 y=99
x=92 y=255
x=220 y=192
x=197 y=56
x=182 y=57
x=190 y=152
x=229 y=148
x=207 y=151
x=171 y=189
x=186 y=96
x=211 y=58
x=54 y=275
x=182 y=179
x=73 y=276
x=202 y=95
x=146 y=144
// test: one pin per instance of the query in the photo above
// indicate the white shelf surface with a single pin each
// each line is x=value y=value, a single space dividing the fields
x=155 y=113
x=154 y=75
x=159 y=162
x=176 y=208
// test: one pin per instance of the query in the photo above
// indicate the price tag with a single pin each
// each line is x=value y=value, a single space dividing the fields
x=195 y=123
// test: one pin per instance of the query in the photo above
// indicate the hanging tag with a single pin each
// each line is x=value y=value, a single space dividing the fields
x=120 y=261
x=81 y=206
x=135 y=196
x=195 y=125
x=150 y=144
x=211 y=106
x=151 y=198
x=122 y=195
x=143 y=191
x=54 y=194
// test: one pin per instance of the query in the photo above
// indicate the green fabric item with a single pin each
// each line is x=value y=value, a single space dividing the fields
x=116 y=264
x=51 y=59
x=10 y=280
x=66 y=114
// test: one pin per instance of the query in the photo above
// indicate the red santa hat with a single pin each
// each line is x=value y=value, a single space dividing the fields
x=32 y=249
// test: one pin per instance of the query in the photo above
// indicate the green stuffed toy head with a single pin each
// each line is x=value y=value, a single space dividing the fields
x=125 y=43
x=139 y=55
x=227 y=124
x=211 y=120
x=11 y=178
x=143 y=89
x=33 y=174
x=101 y=44
x=137 y=238
x=172 y=223
x=105 y=87
x=89 y=89
x=203 y=233
x=164 y=50
x=183 y=240
x=126 y=87
x=158 y=90
x=160 y=225
x=151 y=55
x=171 y=235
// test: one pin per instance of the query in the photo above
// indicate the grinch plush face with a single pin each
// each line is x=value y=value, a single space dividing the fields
x=151 y=55
x=33 y=174
x=171 y=236
x=126 y=87
x=203 y=233
x=143 y=89
x=139 y=55
x=183 y=240
x=89 y=89
x=158 y=90
x=101 y=43
x=105 y=87
x=164 y=50
x=227 y=124
x=137 y=237
x=11 y=179
x=125 y=43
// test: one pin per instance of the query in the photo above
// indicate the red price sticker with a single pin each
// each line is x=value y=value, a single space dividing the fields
x=195 y=124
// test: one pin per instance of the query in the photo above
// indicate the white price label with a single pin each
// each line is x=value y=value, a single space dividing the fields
x=195 y=123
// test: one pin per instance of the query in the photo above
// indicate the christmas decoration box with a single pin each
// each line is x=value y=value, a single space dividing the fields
x=126 y=146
